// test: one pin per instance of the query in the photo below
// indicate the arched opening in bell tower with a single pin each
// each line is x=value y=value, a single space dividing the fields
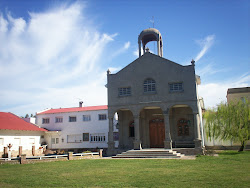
x=148 y=35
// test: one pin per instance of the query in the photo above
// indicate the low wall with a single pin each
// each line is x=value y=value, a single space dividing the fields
x=38 y=159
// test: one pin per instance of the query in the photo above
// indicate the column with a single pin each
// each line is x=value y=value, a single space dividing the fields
x=139 y=45
x=168 y=140
x=137 y=141
x=111 y=143
x=197 y=135
x=121 y=145
x=158 y=48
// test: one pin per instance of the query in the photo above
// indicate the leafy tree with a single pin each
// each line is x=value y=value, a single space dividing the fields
x=229 y=121
x=27 y=116
x=31 y=115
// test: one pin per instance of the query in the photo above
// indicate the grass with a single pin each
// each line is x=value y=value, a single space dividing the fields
x=230 y=169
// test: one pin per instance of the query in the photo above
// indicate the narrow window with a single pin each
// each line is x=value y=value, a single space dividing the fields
x=72 y=118
x=45 y=121
x=183 y=127
x=175 y=87
x=54 y=140
x=149 y=86
x=86 y=118
x=102 y=116
x=124 y=91
x=85 y=137
x=59 y=120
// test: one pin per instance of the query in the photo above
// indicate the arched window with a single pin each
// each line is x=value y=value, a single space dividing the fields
x=183 y=127
x=149 y=86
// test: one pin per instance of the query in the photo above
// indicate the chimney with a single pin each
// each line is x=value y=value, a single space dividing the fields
x=80 y=104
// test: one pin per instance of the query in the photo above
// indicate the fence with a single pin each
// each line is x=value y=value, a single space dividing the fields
x=32 y=159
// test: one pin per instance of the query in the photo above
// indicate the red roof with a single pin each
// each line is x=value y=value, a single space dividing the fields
x=10 y=121
x=76 y=109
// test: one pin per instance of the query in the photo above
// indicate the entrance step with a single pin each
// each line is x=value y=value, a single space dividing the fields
x=150 y=153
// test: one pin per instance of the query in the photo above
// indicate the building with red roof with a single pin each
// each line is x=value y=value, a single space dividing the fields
x=76 y=129
x=23 y=136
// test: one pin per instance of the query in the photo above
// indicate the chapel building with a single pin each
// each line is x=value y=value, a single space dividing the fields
x=156 y=101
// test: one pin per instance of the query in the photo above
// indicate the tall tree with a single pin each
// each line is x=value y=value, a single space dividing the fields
x=229 y=121
x=27 y=116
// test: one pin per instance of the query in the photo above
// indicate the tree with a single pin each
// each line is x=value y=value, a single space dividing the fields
x=27 y=116
x=229 y=122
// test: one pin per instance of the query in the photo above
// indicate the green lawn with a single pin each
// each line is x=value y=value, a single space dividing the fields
x=230 y=169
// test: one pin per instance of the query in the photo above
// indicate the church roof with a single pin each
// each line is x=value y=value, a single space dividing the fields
x=9 y=121
x=148 y=55
x=75 y=109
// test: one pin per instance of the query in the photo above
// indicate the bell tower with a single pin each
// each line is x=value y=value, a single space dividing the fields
x=148 y=35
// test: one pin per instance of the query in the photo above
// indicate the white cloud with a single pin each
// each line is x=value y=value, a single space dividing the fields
x=215 y=93
x=205 y=43
x=51 y=60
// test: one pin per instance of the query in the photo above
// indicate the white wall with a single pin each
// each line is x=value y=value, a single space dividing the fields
x=20 y=138
x=95 y=126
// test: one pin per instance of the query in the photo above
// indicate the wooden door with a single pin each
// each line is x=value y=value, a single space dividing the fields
x=157 y=133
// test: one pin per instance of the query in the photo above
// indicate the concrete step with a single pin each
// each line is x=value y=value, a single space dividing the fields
x=149 y=153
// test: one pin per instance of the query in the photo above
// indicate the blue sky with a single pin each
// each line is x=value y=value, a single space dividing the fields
x=55 y=53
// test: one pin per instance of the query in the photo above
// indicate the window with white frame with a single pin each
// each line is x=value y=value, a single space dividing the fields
x=124 y=91
x=1 y=141
x=74 y=138
x=72 y=118
x=59 y=120
x=86 y=117
x=149 y=86
x=102 y=116
x=45 y=121
x=173 y=87
x=100 y=137
x=54 y=140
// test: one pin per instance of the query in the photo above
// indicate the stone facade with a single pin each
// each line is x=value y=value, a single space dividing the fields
x=156 y=101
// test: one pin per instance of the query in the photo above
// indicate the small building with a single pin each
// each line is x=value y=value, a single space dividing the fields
x=24 y=137
x=236 y=94
x=75 y=129
x=156 y=101
x=233 y=95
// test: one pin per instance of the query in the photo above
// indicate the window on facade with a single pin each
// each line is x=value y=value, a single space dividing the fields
x=124 y=91
x=183 y=127
x=54 y=140
x=102 y=116
x=85 y=137
x=86 y=118
x=59 y=119
x=149 y=86
x=74 y=138
x=175 y=87
x=45 y=121
x=1 y=141
x=97 y=137
x=72 y=118
x=132 y=129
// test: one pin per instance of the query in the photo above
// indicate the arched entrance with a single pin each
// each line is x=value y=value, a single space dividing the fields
x=157 y=133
